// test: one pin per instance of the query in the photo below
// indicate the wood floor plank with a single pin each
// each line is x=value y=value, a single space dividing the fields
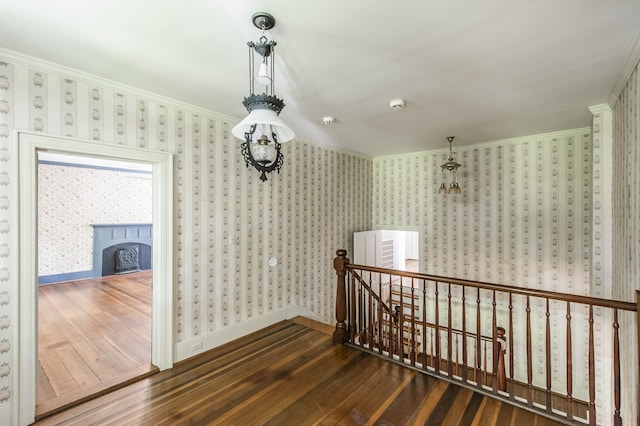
x=457 y=408
x=361 y=405
x=289 y=374
x=407 y=403
x=441 y=410
x=428 y=403
x=233 y=368
x=88 y=336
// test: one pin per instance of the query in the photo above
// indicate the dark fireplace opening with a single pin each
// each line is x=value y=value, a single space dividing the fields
x=125 y=258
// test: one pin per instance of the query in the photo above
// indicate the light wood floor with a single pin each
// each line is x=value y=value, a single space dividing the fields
x=291 y=374
x=92 y=335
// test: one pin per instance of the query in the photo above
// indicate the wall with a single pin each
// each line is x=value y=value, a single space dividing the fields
x=626 y=220
x=71 y=199
x=228 y=223
x=522 y=218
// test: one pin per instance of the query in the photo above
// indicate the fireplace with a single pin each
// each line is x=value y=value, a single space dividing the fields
x=121 y=248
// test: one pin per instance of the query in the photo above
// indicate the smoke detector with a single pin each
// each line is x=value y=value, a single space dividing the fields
x=396 y=104
x=328 y=120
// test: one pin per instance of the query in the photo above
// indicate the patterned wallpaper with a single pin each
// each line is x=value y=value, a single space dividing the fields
x=71 y=199
x=626 y=220
x=228 y=223
x=522 y=217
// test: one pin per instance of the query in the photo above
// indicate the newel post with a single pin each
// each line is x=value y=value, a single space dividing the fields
x=339 y=263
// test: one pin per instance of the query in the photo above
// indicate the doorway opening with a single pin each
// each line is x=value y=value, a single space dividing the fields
x=95 y=278
x=29 y=145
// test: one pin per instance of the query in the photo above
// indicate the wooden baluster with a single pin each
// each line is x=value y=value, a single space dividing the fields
x=569 y=366
x=399 y=348
x=401 y=323
x=381 y=339
x=394 y=347
x=501 y=375
x=431 y=351
x=478 y=343
x=617 y=420
x=438 y=356
x=355 y=304
x=529 y=359
x=339 y=264
x=364 y=300
x=592 y=372
x=484 y=369
x=374 y=320
x=548 y=358
x=424 y=322
x=457 y=363
x=449 y=336
x=511 y=357
x=413 y=340
x=464 y=336
x=475 y=363
x=494 y=343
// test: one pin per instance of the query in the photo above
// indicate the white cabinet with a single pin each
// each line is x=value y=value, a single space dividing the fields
x=385 y=248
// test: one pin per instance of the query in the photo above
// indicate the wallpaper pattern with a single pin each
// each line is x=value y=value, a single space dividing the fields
x=522 y=217
x=228 y=223
x=71 y=199
x=626 y=220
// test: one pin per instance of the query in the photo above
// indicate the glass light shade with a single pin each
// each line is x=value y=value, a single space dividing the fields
x=264 y=152
x=267 y=122
x=263 y=75
x=442 y=190
x=454 y=188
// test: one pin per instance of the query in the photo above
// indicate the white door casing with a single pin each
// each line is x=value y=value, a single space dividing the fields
x=27 y=145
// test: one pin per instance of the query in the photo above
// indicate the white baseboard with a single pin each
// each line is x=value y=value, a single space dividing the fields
x=205 y=342
x=302 y=311
x=6 y=413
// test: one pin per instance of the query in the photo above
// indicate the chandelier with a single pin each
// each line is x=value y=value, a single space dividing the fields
x=262 y=130
x=452 y=167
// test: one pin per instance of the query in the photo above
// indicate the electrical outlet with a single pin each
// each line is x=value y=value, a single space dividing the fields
x=196 y=347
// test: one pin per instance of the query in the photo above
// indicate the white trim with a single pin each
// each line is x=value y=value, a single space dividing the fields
x=205 y=342
x=196 y=345
x=501 y=142
x=26 y=350
x=81 y=76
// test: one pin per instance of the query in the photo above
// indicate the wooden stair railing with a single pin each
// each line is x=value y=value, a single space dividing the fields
x=435 y=324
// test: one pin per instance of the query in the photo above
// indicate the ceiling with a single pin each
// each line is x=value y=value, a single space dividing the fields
x=481 y=71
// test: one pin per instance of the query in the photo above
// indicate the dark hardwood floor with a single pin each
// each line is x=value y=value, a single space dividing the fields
x=92 y=335
x=291 y=374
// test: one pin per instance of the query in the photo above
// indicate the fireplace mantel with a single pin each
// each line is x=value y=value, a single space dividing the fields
x=106 y=235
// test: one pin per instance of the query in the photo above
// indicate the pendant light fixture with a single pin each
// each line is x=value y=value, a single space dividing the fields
x=452 y=167
x=262 y=130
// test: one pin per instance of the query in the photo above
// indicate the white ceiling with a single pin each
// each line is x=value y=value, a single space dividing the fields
x=482 y=71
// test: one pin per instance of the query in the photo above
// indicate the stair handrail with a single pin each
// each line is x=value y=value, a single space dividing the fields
x=344 y=266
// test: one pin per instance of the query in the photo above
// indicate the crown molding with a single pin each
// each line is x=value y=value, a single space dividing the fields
x=62 y=71
x=629 y=66
x=502 y=142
